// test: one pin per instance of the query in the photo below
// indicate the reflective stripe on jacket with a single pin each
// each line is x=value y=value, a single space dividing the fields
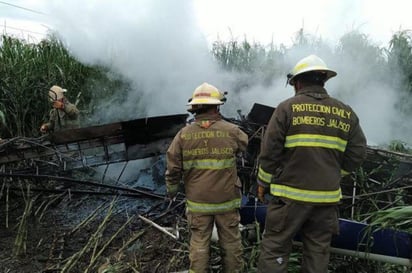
x=310 y=141
x=203 y=154
x=313 y=140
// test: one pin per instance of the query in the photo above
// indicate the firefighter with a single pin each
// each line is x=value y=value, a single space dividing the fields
x=203 y=154
x=63 y=115
x=311 y=140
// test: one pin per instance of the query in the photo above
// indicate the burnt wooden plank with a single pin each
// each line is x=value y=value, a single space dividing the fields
x=130 y=133
x=143 y=131
x=92 y=132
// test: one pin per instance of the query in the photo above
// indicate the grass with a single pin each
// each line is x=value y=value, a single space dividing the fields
x=27 y=71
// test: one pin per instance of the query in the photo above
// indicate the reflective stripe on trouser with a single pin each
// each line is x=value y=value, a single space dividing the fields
x=211 y=209
x=201 y=227
x=306 y=195
x=316 y=224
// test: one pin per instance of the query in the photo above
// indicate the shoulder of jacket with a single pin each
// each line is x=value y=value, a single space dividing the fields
x=183 y=129
x=228 y=124
x=188 y=127
x=285 y=104
x=341 y=103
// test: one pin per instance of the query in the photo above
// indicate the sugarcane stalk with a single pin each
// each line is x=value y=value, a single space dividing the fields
x=47 y=206
x=130 y=241
x=21 y=238
x=99 y=253
x=86 y=220
x=162 y=229
x=7 y=207
x=74 y=259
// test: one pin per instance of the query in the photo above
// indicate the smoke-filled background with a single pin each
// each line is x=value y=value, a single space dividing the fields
x=161 y=48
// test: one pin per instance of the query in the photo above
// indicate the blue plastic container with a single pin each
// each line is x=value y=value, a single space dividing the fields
x=353 y=235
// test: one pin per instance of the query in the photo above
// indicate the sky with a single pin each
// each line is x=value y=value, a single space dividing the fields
x=267 y=20
x=163 y=48
x=258 y=20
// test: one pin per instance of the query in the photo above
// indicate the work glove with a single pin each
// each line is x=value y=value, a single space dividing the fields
x=344 y=173
x=171 y=190
x=58 y=104
x=261 y=191
x=44 y=128
x=171 y=195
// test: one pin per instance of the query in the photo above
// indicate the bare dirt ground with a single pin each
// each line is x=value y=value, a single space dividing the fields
x=82 y=233
x=78 y=233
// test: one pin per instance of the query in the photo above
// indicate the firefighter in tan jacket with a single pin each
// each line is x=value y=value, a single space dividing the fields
x=203 y=155
x=63 y=115
x=311 y=140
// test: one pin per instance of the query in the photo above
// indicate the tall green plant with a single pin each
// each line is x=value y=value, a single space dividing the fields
x=400 y=62
x=261 y=63
x=400 y=56
x=27 y=71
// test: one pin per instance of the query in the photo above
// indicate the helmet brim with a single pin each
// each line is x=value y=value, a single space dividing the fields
x=208 y=101
x=329 y=73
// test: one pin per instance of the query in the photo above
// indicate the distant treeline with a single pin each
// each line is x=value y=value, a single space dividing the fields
x=28 y=70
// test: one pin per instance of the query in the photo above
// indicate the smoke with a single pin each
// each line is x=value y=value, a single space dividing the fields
x=159 y=46
x=372 y=89
x=154 y=44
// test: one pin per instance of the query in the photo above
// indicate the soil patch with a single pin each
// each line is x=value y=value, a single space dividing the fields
x=77 y=233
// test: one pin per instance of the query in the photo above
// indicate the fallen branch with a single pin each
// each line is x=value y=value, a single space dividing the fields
x=162 y=229
x=43 y=178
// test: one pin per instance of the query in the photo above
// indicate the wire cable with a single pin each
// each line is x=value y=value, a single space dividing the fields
x=20 y=7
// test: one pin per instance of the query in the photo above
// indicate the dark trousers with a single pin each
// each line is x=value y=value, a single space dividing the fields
x=284 y=219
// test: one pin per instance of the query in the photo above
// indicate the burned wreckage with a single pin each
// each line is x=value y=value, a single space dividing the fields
x=383 y=178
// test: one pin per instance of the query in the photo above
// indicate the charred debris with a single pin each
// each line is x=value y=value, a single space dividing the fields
x=91 y=174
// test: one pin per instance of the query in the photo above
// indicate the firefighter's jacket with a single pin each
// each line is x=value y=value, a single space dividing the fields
x=203 y=155
x=310 y=142
x=67 y=118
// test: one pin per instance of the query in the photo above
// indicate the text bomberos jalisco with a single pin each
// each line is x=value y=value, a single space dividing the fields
x=333 y=120
x=207 y=150
x=328 y=121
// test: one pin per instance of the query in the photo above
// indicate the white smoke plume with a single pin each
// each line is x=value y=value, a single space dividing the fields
x=159 y=46
x=155 y=44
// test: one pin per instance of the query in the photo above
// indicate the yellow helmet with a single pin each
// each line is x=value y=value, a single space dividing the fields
x=207 y=94
x=309 y=64
x=56 y=93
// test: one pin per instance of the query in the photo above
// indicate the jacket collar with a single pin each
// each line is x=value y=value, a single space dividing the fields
x=207 y=116
x=315 y=91
x=206 y=120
